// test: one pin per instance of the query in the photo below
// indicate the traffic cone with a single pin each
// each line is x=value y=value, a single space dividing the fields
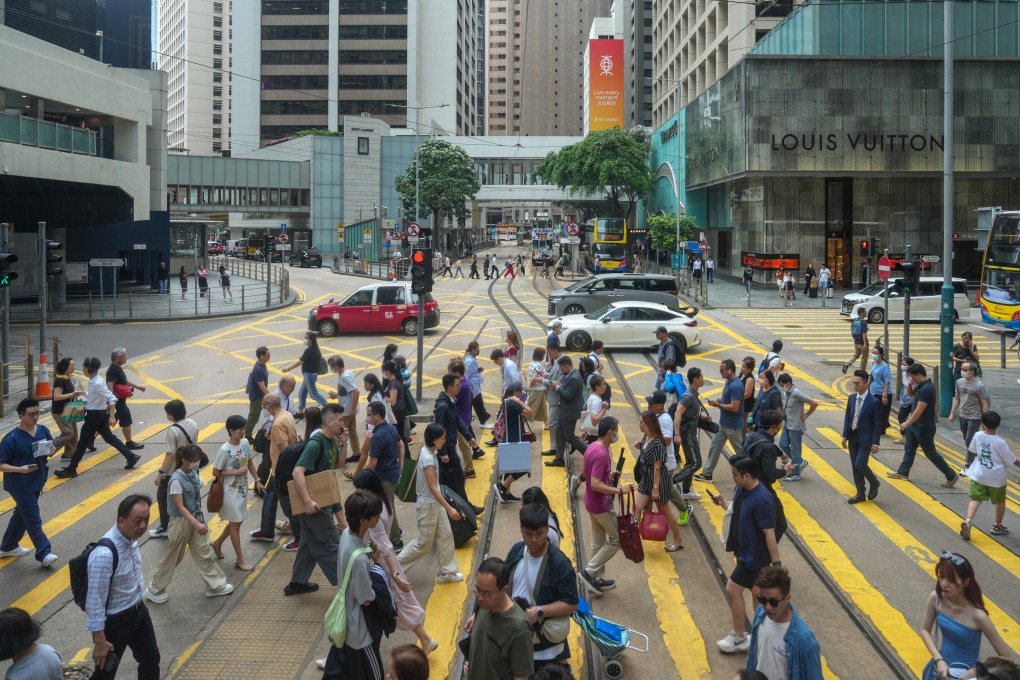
x=42 y=381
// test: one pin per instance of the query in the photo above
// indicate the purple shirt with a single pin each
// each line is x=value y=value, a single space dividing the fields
x=464 y=402
x=597 y=465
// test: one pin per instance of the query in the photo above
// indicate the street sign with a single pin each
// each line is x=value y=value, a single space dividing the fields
x=573 y=229
x=414 y=229
x=109 y=262
x=283 y=246
x=368 y=235
x=386 y=244
x=140 y=246
x=883 y=268
x=283 y=238
x=931 y=258
x=574 y=240
x=283 y=230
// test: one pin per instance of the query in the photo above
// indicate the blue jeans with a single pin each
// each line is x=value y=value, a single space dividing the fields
x=968 y=428
x=26 y=519
x=308 y=387
x=790 y=443
x=919 y=435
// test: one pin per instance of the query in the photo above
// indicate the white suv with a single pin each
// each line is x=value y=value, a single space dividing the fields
x=925 y=302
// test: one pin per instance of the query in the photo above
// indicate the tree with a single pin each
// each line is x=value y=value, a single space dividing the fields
x=448 y=182
x=662 y=230
x=609 y=165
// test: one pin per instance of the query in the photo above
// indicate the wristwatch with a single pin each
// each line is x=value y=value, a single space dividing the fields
x=541 y=614
x=777 y=563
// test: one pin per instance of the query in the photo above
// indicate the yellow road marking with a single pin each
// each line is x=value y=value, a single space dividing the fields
x=149 y=380
x=82 y=656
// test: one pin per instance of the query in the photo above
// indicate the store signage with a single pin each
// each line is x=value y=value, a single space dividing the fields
x=857 y=141
x=670 y=132
x=769 y=260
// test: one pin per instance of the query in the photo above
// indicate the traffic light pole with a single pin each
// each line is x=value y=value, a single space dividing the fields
x=908 y=253
x=43 y=288
x=946 y=318
x=6 y=330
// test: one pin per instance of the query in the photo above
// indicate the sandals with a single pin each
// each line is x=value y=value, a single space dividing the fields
x=243 y=566
x=218 y=552
x=672 y=547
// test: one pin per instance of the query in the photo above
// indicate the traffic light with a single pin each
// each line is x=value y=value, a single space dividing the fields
x=909 y=281
x=421 y=271
x=864 y=247
x=874 y=246
x=52 y=259
x=6 y=275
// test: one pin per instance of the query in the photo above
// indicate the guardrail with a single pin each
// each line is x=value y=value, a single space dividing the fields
x=377 y=269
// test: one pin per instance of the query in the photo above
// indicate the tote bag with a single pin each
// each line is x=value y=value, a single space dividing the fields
x=214 y=501
x=407 y=484
x=74 y=411
x=627 y=527
x=336 y=615
x=654 y=525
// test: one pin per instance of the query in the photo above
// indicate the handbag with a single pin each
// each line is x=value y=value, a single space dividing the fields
x=627 y=528
x=653 y=523
x=410 y=405
x=527 y=435
x=499 y=426
x=323 y=366
x=261 y=443
x=214 y=501
x=587 y=426
x=336 y=615
x=407 y=484
x=709 y=426
x=74 y=411
x=123 y=391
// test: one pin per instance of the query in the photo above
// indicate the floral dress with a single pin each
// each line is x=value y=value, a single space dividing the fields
x=235 y=489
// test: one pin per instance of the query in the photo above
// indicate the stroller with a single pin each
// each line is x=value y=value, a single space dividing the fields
x=611 y=638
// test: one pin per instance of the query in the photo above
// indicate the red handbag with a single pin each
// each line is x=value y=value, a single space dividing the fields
x=653 y=523
x=123 y=391
x=627 y=527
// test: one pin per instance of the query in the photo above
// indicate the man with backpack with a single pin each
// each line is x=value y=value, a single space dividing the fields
x=106 y=581
x=669 y=350
x=859 y=332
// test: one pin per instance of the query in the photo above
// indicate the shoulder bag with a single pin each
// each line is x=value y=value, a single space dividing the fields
x=74 y=411
x=410 y=405
x=407 y=484
x=323 y=366
x=527 y=435
x=705 y=424
x=627 y=527
x=214 y=501
x=205 y=459
x=587 y=426
x=336 y=615
x=554 y=629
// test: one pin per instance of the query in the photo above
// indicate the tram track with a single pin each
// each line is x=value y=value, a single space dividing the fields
x=874 y=639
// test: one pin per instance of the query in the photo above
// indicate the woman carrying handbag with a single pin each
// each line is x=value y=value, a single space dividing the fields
x=653 y=478
x=516 y=430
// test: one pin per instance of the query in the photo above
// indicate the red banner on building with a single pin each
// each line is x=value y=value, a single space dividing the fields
x=769 y=261
x=605 y=84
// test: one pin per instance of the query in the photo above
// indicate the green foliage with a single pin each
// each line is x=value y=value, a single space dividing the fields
x=448 y=181
x=320 y=132
x=662 y=229
x=611 y=165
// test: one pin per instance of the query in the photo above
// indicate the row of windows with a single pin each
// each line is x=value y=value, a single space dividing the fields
x=373 y=82
x=373 y=32
x=292 y=7
x=373 y=57
x=206 y=195
x=295 y=32
x=379 y=108
x=295 y=108
x=373 y=7
x=295 y=57
x=320 y=82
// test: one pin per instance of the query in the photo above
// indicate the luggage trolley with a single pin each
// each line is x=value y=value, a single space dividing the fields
x=611 y=638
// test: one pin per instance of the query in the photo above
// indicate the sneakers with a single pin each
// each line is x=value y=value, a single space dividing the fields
x=132 y=460
x=49 y=559
x=455 y=577
x=685 y=516
x=950 y=483
x=575 y=484
x=259 y=535
x=299 y=588
x=896 y=475
x=703 y=478
x=432 y=646
x=803 y=466
x=292 y=546
x=158 y=532
x=591 y=582
x=999 y=530
x=605 y=583
x=965 y=528
x=963 y=473
x=845 y=366
x=733 y=643
x=134 y=446
x=792 y=477
x=155 y=598
x=691 y=495
x=17 y=552
x=225 y=590
x=500 y=492
x=320 y=664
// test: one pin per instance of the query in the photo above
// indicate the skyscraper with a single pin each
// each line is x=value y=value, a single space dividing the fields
x=535 y=65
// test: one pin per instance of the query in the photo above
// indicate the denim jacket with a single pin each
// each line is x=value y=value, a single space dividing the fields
x=803 y=656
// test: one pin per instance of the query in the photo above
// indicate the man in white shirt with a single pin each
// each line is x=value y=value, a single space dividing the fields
x=348 y=394
x=114 y=611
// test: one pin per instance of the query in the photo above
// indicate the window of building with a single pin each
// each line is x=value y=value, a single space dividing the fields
x=217 y=22
x=271 y=7
x=295 y=32
x=217 y=7
x=217 y=36
x=376 y=57
x=373 y=32
x=276 y=57
x=217 y=91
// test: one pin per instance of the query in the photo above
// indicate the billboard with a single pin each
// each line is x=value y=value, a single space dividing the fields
x=605 y=84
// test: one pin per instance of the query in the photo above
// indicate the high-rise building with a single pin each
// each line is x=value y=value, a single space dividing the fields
x=697 y=41
x=115 y=32
x=637 y=34
x=535 y=65
x=194 y=49
x=314 y=61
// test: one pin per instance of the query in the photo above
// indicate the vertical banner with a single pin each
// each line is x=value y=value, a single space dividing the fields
x=605 y=84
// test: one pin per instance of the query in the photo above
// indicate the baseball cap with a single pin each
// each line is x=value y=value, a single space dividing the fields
x=657 y=397
x=661 y=329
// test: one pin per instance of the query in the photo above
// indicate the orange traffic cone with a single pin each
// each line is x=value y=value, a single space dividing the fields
x=42 y=381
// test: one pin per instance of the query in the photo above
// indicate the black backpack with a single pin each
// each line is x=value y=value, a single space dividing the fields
x=78 y=570
x=285 y=465
x=678 y=352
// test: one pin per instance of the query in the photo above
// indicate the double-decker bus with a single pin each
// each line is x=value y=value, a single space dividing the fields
x=999 y=294
x=607 y=238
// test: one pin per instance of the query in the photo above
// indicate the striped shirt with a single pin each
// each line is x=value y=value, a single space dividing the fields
x=124 y=589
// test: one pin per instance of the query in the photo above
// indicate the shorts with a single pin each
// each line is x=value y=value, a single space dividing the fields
x=743 y=576
x=123 y=413
x=980 y=492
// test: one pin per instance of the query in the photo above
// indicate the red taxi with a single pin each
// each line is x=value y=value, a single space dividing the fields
x=388 y=307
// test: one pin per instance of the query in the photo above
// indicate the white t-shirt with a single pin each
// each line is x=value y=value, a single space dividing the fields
x=772 y=649
x=666 y=423
x=523 y=587
x=594 y=404
x=992 y=457
x=426 y=458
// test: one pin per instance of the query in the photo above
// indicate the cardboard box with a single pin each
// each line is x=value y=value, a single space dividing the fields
x=323 y=487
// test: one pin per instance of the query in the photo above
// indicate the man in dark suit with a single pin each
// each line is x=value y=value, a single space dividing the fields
x=862 y=429
x=570 y=390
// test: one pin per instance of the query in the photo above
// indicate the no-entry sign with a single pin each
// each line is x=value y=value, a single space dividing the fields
x=883 y=268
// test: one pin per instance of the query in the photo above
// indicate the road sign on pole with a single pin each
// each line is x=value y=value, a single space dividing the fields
x=883 y=268
x=106 y=262
x=931 y=258
x=573 y=229
x=414 y=229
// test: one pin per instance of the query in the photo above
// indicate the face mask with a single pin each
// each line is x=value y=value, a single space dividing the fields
x=967 y=374
x=874 y=357
x=616 y=436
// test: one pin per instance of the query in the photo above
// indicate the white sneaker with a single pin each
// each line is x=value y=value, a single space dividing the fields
x=225 y=590
x=455 y=577
x=733 y=643
x=153 y=597
x=320 y=664
x=158 y=532
x=691 y=495
x=49 y=559
x=17 y=552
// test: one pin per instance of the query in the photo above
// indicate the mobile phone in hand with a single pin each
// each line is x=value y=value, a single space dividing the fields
x=111 y=662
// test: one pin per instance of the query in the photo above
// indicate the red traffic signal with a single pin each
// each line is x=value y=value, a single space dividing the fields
x=418 y=257
x=864 y=247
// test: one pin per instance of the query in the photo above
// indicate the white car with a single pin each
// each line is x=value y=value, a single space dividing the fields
x=925 y=303
x=627 y=324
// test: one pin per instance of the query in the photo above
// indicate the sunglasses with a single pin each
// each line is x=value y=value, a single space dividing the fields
x=770 y=601
x=952 y=557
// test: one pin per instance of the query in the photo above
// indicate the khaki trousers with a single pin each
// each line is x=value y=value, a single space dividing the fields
x=433 y=528
x=605 y=542
x=181 y=536
x=352 y=433
x=68 y=438
x=465 y=453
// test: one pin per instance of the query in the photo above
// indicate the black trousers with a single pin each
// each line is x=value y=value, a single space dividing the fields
x=132 y=628
x=161 y=500
x=353 y=664
x=96 y=422
x=478 y=402
x=451 y=473
x=568 y=438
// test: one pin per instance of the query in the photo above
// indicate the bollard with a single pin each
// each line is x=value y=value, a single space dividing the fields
x=90 y=304
x=130 y=307
x=29 y=367
x=242 y=297
x=1002 y=350
x=935 y=381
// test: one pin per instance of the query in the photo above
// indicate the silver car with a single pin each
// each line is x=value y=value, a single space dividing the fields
x=598 y=291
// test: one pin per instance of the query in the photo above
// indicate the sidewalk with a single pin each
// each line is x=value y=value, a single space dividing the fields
x=726 y=291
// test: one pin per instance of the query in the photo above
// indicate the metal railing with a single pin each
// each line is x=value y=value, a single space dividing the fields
x=377 y=269
x=29 y=131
